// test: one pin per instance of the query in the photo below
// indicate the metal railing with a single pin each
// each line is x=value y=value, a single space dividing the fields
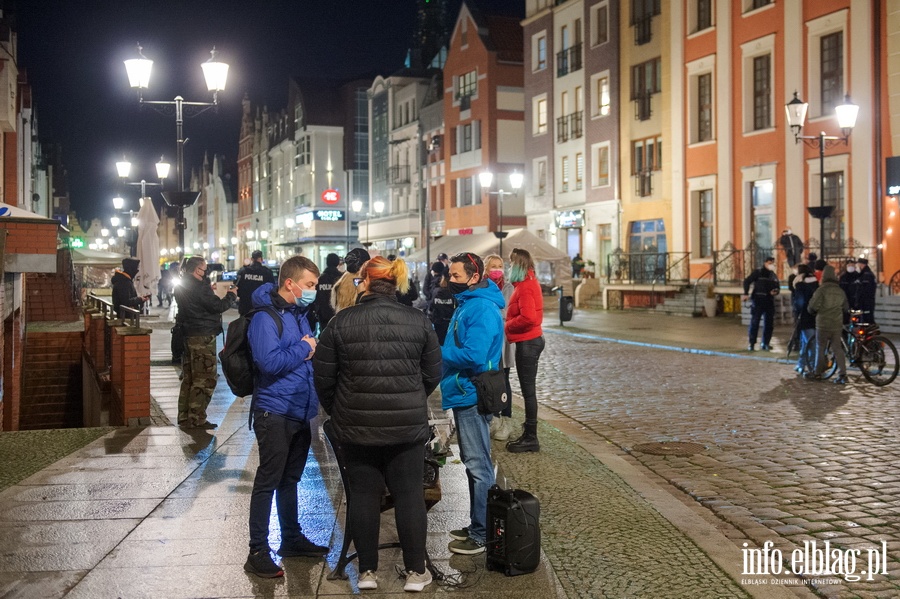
x=648 y=268
x=398 y=174
x=568 y=60
x=642 y=108
x=643 y=30
x=465 y=102
x=570 y=126
x=643 y=184
x=105 y=307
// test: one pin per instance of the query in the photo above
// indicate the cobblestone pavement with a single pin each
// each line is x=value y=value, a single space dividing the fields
x=785 y=460
x=23 y=453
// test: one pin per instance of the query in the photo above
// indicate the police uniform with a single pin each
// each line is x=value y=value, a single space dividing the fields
x=249 y=279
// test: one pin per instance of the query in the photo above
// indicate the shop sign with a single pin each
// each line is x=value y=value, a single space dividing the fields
x=570 y=219
x=331 y=196
x=329 y=215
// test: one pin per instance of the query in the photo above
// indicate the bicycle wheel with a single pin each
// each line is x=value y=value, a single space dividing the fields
x=830 y=362
x=878 y=361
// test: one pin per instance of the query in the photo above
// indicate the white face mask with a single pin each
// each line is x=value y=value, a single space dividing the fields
x=770 y=267
x=788 y=232
x=851 y=269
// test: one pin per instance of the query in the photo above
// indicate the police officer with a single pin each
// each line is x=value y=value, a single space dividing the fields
x=250 y=278
x=765 y=287
x=322 y=311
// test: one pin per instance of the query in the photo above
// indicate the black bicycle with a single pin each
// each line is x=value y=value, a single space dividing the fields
x=867 y=349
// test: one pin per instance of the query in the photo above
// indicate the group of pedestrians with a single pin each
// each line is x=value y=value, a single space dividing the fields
x=373 y=366
x=820 y=301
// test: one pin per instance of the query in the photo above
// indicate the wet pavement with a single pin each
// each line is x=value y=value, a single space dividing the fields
x=161 y=512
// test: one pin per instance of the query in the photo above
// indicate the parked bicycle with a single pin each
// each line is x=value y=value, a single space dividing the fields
x=866 y=349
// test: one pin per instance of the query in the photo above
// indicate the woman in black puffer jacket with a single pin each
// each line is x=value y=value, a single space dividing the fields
x=375 y=365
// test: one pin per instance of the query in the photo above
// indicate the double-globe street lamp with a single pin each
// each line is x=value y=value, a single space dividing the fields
x=485 y=179
x=795 y=110
x=215 y=72
x=123 y=168
x=357 y=206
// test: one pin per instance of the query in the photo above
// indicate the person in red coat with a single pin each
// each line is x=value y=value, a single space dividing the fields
x=524 y=316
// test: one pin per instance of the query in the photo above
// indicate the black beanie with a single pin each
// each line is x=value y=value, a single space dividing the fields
x=355 y=259
x=332 y=260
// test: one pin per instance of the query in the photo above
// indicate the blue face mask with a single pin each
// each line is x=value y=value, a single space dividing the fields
x=307 y=296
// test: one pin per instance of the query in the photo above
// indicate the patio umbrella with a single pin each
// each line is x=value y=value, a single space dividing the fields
x=147 y=250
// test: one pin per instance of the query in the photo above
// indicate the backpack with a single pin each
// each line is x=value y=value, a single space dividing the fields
x=237 y=363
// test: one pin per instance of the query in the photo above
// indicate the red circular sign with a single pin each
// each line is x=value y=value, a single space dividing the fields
x=331 y=196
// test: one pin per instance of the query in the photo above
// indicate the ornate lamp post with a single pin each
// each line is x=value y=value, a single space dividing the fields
x=215 y=72
x=795 y=111
x=515 y=181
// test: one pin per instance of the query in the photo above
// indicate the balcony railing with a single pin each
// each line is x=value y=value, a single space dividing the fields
x=643 y=30
x=643 y=184
x=570 y=126
x=648 y=268
x=568 y=60
x=642 y=110
x=465 y=102
x=398 y=174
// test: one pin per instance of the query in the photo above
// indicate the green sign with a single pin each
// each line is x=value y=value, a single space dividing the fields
x=76 y=242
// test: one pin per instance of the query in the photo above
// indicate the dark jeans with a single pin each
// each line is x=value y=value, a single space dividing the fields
x=767 y=313
x=527 y=355
x=283 y=449
x=401 y=467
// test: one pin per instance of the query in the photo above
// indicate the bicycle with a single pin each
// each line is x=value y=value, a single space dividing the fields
x=865 y=348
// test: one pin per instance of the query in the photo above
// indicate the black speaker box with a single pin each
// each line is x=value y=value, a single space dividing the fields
x=514 y=533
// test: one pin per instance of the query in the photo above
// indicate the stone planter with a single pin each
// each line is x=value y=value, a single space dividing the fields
x=709 y=306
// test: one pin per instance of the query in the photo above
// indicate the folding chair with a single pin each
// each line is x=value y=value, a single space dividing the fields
x=432 y=485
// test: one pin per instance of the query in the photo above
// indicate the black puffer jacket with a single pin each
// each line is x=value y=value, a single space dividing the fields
x=199 y=308
x=375 y=366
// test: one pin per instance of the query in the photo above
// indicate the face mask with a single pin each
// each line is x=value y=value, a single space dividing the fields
x=307 y=296
x=788 y=232
x=851 y=269
x=496 y=275
x=457 y=288
x=517 y=274
x=795 y=271
x=770 y=267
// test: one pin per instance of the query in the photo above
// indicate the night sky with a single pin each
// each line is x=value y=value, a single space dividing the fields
x=73 y=53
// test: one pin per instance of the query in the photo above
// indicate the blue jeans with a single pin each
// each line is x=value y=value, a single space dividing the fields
x=473 y=433
x=807 y=359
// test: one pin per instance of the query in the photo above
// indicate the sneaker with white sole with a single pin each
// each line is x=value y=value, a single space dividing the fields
x=502 y=431
x=460 y=534
x=468 y=547
x=368 y=580
x=416 y=582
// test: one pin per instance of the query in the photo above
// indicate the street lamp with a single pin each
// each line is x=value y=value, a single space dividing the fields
x=123 y=168
x=846 y=113
x=378 y=206
x=215 y=72
x=486 y=178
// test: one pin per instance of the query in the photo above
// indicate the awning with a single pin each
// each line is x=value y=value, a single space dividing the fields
x=86 y=257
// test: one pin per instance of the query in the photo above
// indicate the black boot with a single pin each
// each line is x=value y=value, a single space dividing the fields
x=527 y=442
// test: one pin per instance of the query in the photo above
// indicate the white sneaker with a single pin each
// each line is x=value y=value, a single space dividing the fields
x=502 y=431
x=416 y=582
x=368 y=580
x=495 y=425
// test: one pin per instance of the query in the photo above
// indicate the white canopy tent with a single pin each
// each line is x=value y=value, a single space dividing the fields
x=95 y=268
x=553 y=266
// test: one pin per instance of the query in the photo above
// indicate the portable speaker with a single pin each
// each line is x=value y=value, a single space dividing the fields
x=514 y=534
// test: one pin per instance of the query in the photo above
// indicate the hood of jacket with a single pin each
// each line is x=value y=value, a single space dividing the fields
x=120 y=277
x=484 y=289
x=828 y=275
x=130 y=266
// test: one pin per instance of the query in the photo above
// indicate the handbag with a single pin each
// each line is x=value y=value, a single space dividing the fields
x=490 y=386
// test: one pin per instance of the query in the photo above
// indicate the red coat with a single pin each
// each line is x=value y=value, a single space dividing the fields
x=525 y=312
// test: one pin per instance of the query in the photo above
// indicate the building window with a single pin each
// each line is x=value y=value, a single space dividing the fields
x=646 y=155
x=754 y=4
x=541 y=177
x=834 y=225
x=469 y=137
x=704 y=14
x=540 y=116
x=464 y=33
x=646 y=78
x=541 y=58
x=468 y=84
x=579 y=170
x=603 y=97
x=832 y=77
x=601 y=162
x=704 y=107
x=303 y=151
x=465 y=192
x=705 y=224
x=600 y=23
x=762 y=118
x=647 y=236
x=565 y=173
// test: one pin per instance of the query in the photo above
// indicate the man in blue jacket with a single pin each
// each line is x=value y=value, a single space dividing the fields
x=473 y=344
x=284 y=403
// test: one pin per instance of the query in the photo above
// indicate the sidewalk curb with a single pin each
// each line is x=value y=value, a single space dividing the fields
x=687 y=350
x=693 y=520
